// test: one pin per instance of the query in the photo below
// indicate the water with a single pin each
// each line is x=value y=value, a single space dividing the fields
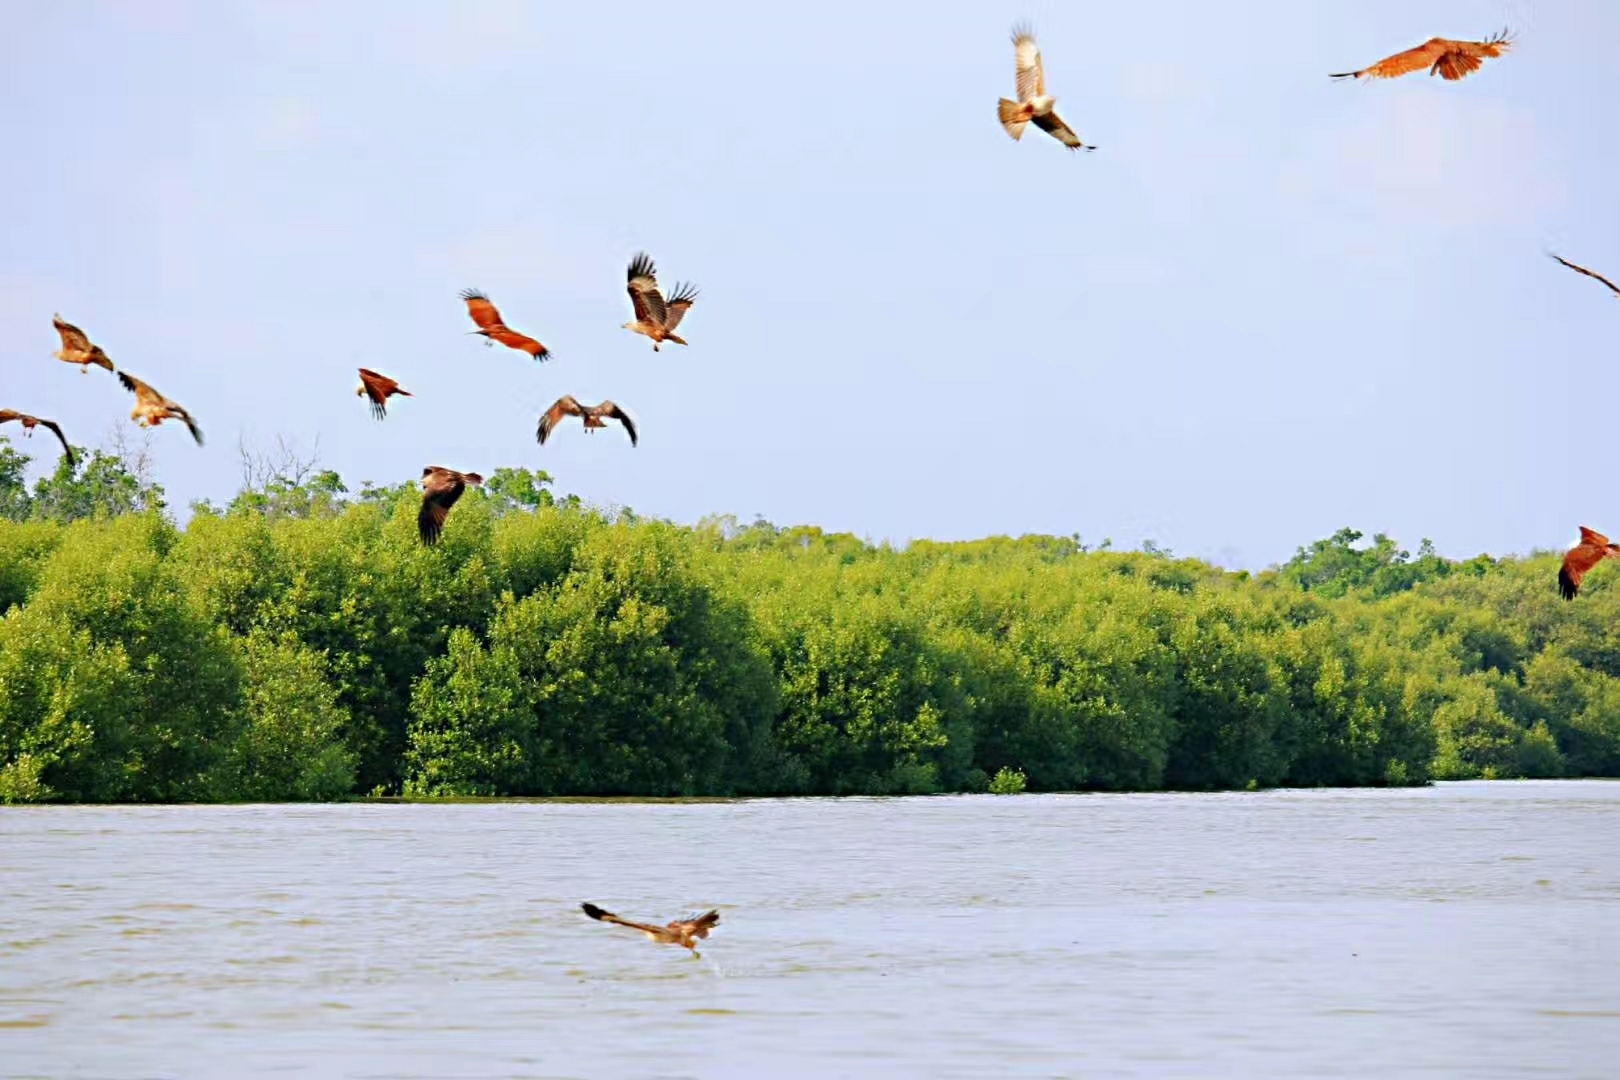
x=1465 y=930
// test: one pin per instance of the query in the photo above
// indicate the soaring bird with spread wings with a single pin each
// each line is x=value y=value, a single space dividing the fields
x=591 y=414
x=378 y=388
x=1593 y=549
x=29 y=422
x=441 y=488
x=1034 y=104
x=76 y=347
x=1583 y=270
x=152 y=408
x=656 y=317
x=1448 y=59
x=682 y=932
x=490 y=325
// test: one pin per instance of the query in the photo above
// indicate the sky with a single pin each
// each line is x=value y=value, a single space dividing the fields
x=1268 y=306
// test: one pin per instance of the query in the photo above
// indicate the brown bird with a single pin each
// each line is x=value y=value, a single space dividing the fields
x=152 y=408
x=656 y=317
x=1593 y=549
x=29 y=422
x=76 y=347
x=1449 y=59
x=490 y=325
x=1583 y=270
x=378 y=388
x=591 y=414
x=682 y=932
x=441 y=488
x=1034 y=103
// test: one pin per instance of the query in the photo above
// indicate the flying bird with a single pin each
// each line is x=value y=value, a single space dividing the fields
x=656 y=317
x=490 y=325
x=682 y=932
x=1034 y=103
x=591 y=414
x=152 y=408
x=1583 y=270
x=378 y=388
x=76 y=347
x=441 y=488
x=29 y=422
x=1449 y=59
x=1593 y=549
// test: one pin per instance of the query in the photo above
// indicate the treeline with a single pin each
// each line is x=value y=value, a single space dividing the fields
x=301 y=644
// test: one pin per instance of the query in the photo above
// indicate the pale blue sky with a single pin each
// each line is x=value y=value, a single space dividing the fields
x=1269 y=305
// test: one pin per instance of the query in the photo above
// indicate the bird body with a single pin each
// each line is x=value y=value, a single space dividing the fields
x=1583 y=270
x=494 y=328
x=683 y=932
x=1034 y=104
x=152 y=408
x=656 y=317
x=1593 y=548
x=378 y=388
x=592 y=415
x=30 y=422
x=76 y=347
x=441 y=488
x=1451 y=60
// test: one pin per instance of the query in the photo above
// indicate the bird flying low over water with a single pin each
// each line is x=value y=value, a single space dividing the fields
x=1449 y=59
x=656 y=317
x=76 y=347
x=378 y=388
x=29 y=422
x=494 y=329
x=441 y=488
x=1034 y=104
x=591 y=414
x=152 y=408
x=1583 y=270
x=682 y=932
x=1593 y=549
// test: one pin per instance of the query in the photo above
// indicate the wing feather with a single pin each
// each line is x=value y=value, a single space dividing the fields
x=601 y=915
x=1583 y=270
x=608 y=408
x=1440 y=56
x=66 y=449
x=73 y=339
x=482 y=311
x=643 y=286
x=1063 y=133
x=1028 y=74
x=678 y=304
x=563 y=406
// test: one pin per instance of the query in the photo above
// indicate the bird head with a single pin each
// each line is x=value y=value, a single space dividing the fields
x=360 y=391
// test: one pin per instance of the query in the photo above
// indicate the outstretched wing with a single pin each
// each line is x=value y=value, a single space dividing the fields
x=142 y=391
x=1403 y=63
x=608 y=408
x=377 y=388
x=521 y=342
x=563 y=406
x=1030 y=77
x=73 y=339
x=698 y=925
x=482 y=311
x=1583 y=270
x=1577 y=561
x=1063 y=133
x=66 y=449
x=1593 y=537
x=678 y=304
x=191 y=425
x=601 y=915
x=440 y=490
x=644 y=294
x=9 y=414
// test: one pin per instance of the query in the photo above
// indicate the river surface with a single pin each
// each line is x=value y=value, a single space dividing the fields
x=1465 y=930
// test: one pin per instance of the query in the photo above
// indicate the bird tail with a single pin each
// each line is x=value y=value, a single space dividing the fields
x=676 y=340
x=1014 y=117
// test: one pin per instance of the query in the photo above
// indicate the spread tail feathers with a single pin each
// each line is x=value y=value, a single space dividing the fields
x=1013 y=117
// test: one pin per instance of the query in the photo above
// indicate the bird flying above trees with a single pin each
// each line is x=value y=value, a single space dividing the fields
x=378 y=388
x=1583 y=270
x=76 y=347
x=682 y=932
x=656 y=317
x=490 y=325
x=591 y=414
x=1593 y=549
x=152 y=408
x=1449 y=59
x=1034 y=104
x=29 y=422
x=441 y=488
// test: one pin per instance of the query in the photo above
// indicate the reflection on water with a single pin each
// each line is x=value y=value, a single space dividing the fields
x=1465 y=930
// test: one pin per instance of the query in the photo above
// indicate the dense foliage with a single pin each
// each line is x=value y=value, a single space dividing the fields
x=301 y=644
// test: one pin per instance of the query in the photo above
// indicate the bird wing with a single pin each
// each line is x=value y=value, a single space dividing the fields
x=482 y=311
x=1588 y=273
x=1577 y=561
x=1029 y=76
x=440 y=489
x=698 y=925
x=608 y=408
x=644 y=294
x=9 y=414
x=377 y=388
x=73 y=339
x=521 y=342
x=142 y=391
x=191 y=425
x=601 y=915
x=1404 y=63
x=678 y=304
x=66 y=449
x=563 y=406
x=1593 y=537
x=1063 y=133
